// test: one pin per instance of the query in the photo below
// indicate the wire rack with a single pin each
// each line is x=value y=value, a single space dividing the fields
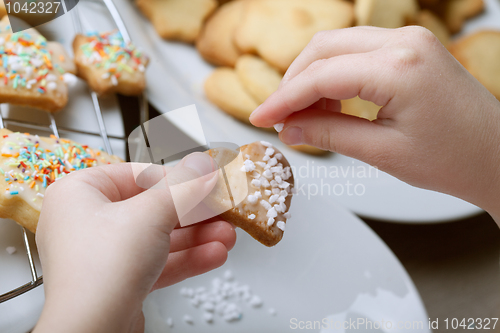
x=56 y=130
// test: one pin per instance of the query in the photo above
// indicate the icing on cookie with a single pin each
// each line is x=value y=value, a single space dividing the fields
x=269 y=187
x=30 y=164
x=109 y=51
x=26 y=62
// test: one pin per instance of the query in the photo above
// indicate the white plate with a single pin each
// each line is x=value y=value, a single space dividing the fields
x=176 y=77
x=327 y=266
x=20 y=314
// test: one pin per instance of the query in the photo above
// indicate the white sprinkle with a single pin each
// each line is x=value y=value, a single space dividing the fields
x=273 y=198
x=278 y=208
x=252 y=198
x=208 y=317
x=114 y=80
x=270 y=221
x=271 y=212
x=264 y=182
x=247 y=156
x=279 y=127
x=228 y=275
x=294 y=190
x=267 y=192
x=287 y=215
x=255 y=182
x=251 y=216
x=170 y=322
x=208 y=306
x=256 y=174
x=188 y=319
x=273 y=183
x=265 y=204
x=281 y=199
x=11 y=250
x=266 y=158
x=261 y=164
x=272 y=311
x=105 y=75
x=278 y=179
x=51 y=86
x=266 y=144
x=281 y=225
x=51 y=77
x=284 y=184
x=276 y=191
x=279 y=156
x=255 y=301
x=70 y=79
x=258 y=194
x=141 y=68
x=284 y=193
x=40 y=195
x=269 y=151
x=268 y=174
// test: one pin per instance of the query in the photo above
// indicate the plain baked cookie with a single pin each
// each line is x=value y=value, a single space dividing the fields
x=258 y=77
x=110 y=65
x=429 y=20
x=479 y=53
x=215 y=42
x=225 y=89
x=455 y=12
x=177 y=19
x=263 y=212
x=360 y=108
x=278 y=30
x=29 y=164
x=385 y=13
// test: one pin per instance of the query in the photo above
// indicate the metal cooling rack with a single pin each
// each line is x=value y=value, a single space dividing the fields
x=144 y=115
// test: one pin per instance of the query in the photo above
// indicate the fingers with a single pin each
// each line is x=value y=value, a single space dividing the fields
x=338 y=78
x=191 y=262
x=176 y=194
x=348 y=135
x=332 y=43
x=192 y=236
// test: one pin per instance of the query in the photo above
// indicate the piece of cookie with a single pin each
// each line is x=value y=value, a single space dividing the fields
x=110 y=65
x=386 y=13
x=455 y=12
x=29 y=75
x=263 y=196
x=310 y=150
x=429 y=20
x=215 y=42
x=61 y=58
x=360 y=108
x=177 y=19
x=29 y=164
x=278 y=30
x=224 y=88
x=258 y=77
x=479 y=53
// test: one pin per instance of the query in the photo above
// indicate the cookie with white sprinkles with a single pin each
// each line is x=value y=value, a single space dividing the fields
x=265 y=190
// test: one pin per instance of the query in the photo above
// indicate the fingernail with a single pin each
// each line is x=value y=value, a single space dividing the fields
x=202 y=163
x=292 y=136
x=255 y=112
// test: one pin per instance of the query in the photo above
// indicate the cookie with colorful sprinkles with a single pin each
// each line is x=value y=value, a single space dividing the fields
x=29 y=164
x=28 y=73
x=108 y=64
x=260 y=190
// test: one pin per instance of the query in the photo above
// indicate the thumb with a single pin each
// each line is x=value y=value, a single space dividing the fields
x=372 y=142
x=173 y=192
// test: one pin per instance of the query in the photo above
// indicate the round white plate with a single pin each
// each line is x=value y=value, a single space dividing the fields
x=20 y=314
x=175 y=79
x=329 y=266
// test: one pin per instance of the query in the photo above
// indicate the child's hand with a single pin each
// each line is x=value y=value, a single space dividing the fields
x=104 y=241
x=439 y=128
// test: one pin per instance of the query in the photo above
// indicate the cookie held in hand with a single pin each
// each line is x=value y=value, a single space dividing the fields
x=29 y=164
x=261 y=199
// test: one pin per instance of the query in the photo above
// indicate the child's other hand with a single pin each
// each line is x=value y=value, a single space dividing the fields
x=104 y=241
x=438 y=128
